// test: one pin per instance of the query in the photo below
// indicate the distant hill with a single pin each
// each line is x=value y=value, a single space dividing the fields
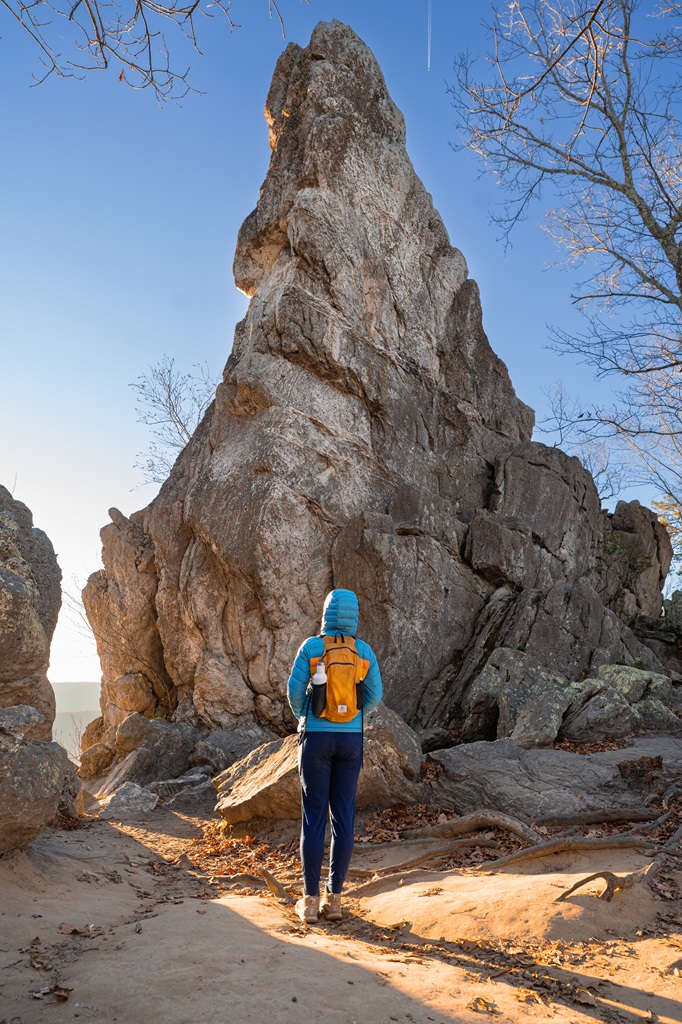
x=77 y=704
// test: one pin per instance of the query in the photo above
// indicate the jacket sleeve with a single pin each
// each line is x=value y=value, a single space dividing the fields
x=373 y=685
x=299 y=679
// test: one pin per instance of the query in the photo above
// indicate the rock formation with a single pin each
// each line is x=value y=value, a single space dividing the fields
x=365 y=435
x=36 y=778
x=30 y=599
x=266 y=784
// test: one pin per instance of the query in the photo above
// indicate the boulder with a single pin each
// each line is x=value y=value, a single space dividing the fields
x=95 y=760
x=139 y=766
x=93 y=733
x=266 y=783
x=501 y=776
x=30 y=598
x=526 y=643
x=129 y=802
x=198 y=801
x=621 y=701
x=37 y=780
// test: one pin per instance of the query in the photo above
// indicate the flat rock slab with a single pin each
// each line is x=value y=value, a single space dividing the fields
x=530 y=783
x=266 y=782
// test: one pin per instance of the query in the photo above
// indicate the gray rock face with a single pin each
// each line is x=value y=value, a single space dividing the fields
x=622 y=701
x=30 y=598
x=531 y=783
x=365 y=436
x=266 y=783
x=36 y=779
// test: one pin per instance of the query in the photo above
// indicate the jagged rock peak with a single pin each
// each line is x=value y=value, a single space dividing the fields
x=366 y=436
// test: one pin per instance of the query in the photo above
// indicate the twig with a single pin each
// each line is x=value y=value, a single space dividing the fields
x=472 y=822
x=568 y=845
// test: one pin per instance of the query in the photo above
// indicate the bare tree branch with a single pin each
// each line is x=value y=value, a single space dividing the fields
x=172 y=405
x=126 y=34
x=581 y=103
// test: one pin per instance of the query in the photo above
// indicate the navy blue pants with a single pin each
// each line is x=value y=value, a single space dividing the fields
x=330 y=764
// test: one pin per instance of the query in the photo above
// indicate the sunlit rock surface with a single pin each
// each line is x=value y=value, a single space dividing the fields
x=30 y=598
x=365 y=435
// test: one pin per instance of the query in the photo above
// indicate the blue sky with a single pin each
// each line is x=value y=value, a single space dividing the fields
x=119 y=219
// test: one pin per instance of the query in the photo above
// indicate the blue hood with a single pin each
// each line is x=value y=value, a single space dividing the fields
x=340 y=614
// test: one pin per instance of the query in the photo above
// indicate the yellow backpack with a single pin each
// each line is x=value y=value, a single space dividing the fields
x=346 y=672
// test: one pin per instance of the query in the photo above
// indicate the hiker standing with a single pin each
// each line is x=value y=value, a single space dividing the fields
x=330 y=750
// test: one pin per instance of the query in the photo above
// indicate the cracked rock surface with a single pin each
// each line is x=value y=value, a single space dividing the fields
x=365 y=435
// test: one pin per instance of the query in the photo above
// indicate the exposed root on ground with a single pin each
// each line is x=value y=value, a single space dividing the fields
x=472 y=822
x=440 y=851
x=619 y=883
x=569 y=844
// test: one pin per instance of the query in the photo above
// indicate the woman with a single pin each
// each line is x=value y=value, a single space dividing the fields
x=330 y=753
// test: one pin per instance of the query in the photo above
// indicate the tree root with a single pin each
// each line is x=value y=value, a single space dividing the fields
x=377 y=884
x=275 y=887
x=243 y=878
x=597 y=817
x=368 y=847
x=619 y=883
x=568 y=845
x=471 y=822
x=441 y=851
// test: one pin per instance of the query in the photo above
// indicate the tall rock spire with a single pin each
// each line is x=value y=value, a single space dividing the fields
x=365 y=435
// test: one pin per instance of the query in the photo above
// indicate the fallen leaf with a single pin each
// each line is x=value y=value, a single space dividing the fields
x=53 y=994
x=480 y=1005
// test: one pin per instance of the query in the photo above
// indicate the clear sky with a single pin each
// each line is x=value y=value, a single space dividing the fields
x=119 y=219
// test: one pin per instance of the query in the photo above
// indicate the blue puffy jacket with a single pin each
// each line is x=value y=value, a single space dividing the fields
x=340 y=615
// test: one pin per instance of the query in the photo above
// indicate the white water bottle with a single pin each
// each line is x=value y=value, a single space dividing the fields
x=319 y=681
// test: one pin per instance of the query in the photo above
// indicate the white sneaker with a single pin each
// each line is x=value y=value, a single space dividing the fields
x=331 y=905
x=307 y=908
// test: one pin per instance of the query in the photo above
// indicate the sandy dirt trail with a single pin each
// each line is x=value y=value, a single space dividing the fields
x=104 y=912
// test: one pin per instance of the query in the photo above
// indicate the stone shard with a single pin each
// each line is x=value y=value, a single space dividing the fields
x=30 y=598
x=364 y=435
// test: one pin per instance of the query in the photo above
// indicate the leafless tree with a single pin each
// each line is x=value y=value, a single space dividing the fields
x=563 y=424
x=580 y=105
x=128 y=35
x=172 y=404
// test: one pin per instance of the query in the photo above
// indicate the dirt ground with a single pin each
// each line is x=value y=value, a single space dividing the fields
x=102 y=923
